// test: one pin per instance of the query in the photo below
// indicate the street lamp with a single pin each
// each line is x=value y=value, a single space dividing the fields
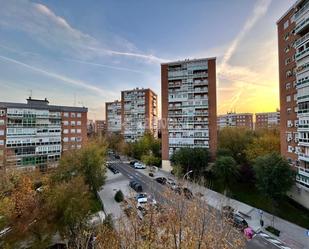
x=189 y=172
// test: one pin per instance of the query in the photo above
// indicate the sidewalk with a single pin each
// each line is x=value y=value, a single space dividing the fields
x=293 y=235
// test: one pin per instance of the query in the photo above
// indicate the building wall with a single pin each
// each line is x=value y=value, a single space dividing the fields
x=138 y=113
x=189 y=119
x=241 y=120
x=287 y=84
x=113 y=116
x=267 y=120
x=35 y=134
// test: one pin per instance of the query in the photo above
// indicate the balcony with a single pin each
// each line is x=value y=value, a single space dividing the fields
x=301 y=11
x=302 y=54
x=302 y=26
x=303 y=98
x=303 y=83
x=303 y=141
x=303 y=172
x=303 y=157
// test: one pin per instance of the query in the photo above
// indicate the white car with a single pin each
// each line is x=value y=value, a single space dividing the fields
x=142 y=198
x=139 y=166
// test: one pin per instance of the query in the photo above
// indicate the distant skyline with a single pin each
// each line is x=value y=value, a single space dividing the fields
x=86 y=52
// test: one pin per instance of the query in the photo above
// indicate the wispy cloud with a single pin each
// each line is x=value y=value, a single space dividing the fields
x=54 y=31
x=239 y=82
x=60 y=77
x=259 y=10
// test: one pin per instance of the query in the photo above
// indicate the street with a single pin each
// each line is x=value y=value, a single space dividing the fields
x=152 y=187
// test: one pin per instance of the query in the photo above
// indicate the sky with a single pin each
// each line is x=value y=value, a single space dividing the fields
x=83 y=53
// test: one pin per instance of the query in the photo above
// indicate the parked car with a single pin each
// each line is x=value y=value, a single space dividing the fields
x=239 y=222
x=132 y=163
x=136 y=186
x=138 y=165
x=111 y=168
x=161 y=180
x=171 y=183
x=117 y=157
x=142 y=198
x=151 y=174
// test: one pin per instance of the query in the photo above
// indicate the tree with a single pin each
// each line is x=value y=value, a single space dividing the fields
x=274 y=176
x=119 y=196
x=88 y=162
x=262 y=145
x=176 y=224
x=69 y=205
x=235 y=140
x=225 y=169
x=195 y=159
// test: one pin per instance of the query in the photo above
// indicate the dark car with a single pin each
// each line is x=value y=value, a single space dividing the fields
x=239 y=222
x=161 y=180
x=111 y=168
x=132 y=163
x=136 y=186
x=117 y=156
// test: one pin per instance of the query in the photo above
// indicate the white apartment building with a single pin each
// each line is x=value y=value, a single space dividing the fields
x=113 y=116
x=188 y=106
x=138 y=113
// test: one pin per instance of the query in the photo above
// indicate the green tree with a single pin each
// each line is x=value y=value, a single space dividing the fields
x=226 y=169
x=119 y=196
x=69 y=205
x=263 y=145
x=236 y=141
x=195 y=159
x=274 y=176
x=88 y=162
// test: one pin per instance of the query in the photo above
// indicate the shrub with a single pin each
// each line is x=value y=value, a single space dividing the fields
x=273 y=230
x=119 y=196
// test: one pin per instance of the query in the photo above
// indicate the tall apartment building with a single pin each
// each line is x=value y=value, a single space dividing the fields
x=33 y=135
x=266 y=120
x=138 y=113
x=293 y=45
x=189 y=106
x=90 y=128
x=113 y=116
x=100 y=127
x=232 y=119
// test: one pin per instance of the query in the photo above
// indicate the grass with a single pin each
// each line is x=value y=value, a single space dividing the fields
x=286 y=208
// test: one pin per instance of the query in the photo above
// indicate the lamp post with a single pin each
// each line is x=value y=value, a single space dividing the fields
x=189 y=172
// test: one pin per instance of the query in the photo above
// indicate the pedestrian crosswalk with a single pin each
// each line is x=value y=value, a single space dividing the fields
x=274 y=241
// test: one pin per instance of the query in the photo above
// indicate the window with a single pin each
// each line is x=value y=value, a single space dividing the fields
x=66 y=114
x=65 y=122
x=295 y=96
x=288 y=86
x=73 y=115
x=1 y=142
x=79 y=115
x=1 y=152
x=73 y=123
x=2 y=113
x=286 y=37
x=72 y=139
x=288 y=98
x=65 y=139
x=73 y=130
x=287 y=49
x=78 y=131
x=286 y=24
x=1 y=132
x=78 y=139
x=1 y=121
x=65 y=131
x=288 y=73
x=78 y=146
x=79 y=123
x=288 y=110
x=287 y=61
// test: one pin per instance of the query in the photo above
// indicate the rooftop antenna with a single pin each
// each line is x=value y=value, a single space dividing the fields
x=74 y=99
x=30 y=93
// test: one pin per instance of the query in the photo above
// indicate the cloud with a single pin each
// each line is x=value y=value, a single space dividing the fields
x=54 y=32
x=259 y=10
x=62 y=78
x=240 y=83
